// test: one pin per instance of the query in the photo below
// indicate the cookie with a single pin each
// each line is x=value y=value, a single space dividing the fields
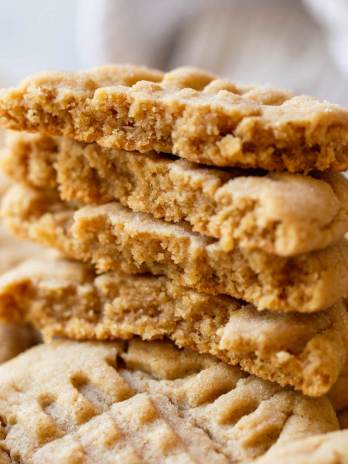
x=330 y=448
x=15 y=338
x=70 y=402
x=339 y=392
x=187 y=112
x=343 y=418
x=115 y=238
x=14 y=251
x=338 y=396
x=279 y=213
x=66 y=299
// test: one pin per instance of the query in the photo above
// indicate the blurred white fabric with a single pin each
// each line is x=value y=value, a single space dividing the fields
x=133 y=30
x=333 y=15
x=296 y=44
x=36 y=35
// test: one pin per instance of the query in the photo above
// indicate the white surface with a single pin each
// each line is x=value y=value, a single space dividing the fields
x=36 y=35
x=276 y=42
x=333 y=15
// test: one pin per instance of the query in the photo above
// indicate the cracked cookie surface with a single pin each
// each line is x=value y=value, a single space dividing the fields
x=112 y=238
x=279 y=213
x=145 y=402
x=67 y=299
x=186 y=112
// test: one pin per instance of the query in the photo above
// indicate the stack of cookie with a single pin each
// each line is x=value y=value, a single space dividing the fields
x=165 y=196
x=17 y=337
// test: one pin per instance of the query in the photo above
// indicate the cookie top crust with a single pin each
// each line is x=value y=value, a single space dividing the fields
x=187 y=112
x=328 y=448
x=145 y=402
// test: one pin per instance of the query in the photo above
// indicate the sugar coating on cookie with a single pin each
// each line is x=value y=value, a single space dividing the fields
x=327 y=448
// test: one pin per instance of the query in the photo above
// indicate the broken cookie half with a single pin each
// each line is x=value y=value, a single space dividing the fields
x=67 y=299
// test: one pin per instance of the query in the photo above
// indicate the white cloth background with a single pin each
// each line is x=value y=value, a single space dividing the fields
x=36 y=35
x=333 y=16
x=297 y=44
